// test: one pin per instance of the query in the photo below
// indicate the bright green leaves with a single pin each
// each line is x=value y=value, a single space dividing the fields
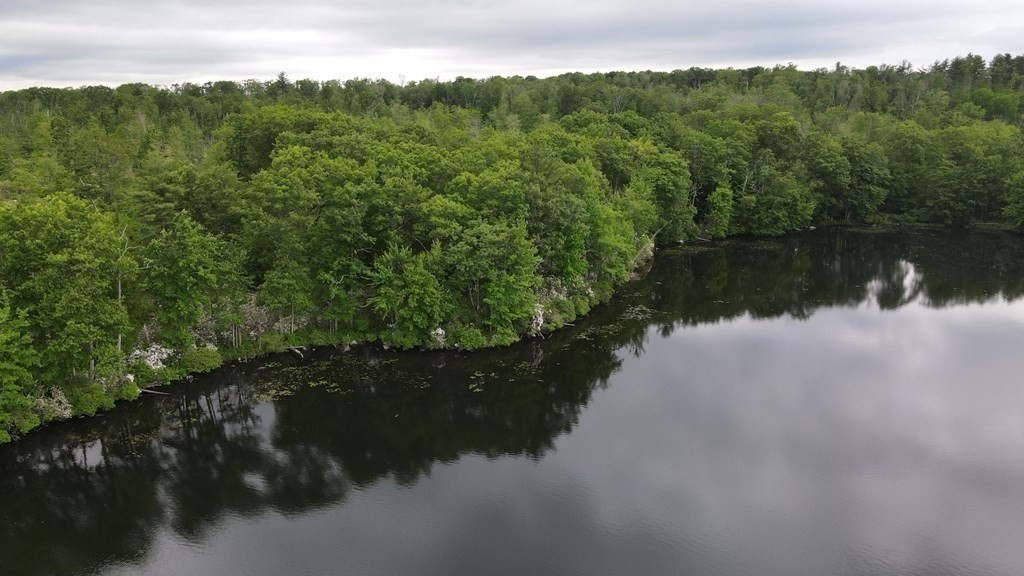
x=407 y=296
x=61 y=259
x=250 y=137
x=752 y=151
x=495 y=264
x=669 y=178
x=17 y=385
x=187 y=271
x=719 y=214
x=36 y=176
x=869 y=179
x=459 y=213
x=829 y=172
x=952 y=176
x=771 y=200
x=850 y=177
x=497 y=191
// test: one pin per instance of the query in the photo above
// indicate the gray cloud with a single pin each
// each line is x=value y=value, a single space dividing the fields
x=67 y=43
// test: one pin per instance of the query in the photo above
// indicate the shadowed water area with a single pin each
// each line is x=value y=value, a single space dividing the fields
x=833 y=403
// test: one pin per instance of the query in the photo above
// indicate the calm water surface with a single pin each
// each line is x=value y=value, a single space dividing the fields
x=825 y=404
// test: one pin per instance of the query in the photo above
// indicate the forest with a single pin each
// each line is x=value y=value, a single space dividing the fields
x=147 y=233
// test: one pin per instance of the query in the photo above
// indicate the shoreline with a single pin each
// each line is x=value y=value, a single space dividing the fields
x=305 y=351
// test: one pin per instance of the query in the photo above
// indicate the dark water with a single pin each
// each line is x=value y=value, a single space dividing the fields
x=828 y=404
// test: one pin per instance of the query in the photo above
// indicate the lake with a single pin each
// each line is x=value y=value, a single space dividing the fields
x=828 y=403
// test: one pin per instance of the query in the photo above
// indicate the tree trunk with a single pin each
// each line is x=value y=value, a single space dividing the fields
x=119 y=335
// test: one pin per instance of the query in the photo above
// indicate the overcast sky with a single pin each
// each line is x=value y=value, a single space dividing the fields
x=78 y=42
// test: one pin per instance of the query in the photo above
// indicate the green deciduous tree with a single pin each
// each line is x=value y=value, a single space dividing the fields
x=18 y=357
x=187 y=272
x=719 y=215
x=61 y=260
x=407 y=296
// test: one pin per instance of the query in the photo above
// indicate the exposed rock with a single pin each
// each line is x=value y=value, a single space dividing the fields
x=538 y=319
x=154 y=356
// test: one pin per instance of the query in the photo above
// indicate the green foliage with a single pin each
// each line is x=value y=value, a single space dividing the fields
x=719 y=217
x=258 y=216
x=87 y=398
x=669 y=177
x=869 y=180
x=187 y=271
x=1015 y=200
x=771 y=202
x=199 y=359
x=17 y=385
x=493 y=267
x=250 y=138
x=61 y=259
x=468 y=337
x=407 y=296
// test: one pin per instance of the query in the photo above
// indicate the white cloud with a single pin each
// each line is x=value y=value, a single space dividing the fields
x=65 y=43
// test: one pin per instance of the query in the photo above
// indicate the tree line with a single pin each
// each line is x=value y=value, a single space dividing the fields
x=150 y=232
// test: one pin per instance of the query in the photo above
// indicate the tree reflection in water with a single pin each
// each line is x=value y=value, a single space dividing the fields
x=293 y=436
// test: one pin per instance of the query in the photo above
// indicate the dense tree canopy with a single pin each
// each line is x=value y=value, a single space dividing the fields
x=146 y=232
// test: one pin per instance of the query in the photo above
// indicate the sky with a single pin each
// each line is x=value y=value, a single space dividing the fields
x=111 y=42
